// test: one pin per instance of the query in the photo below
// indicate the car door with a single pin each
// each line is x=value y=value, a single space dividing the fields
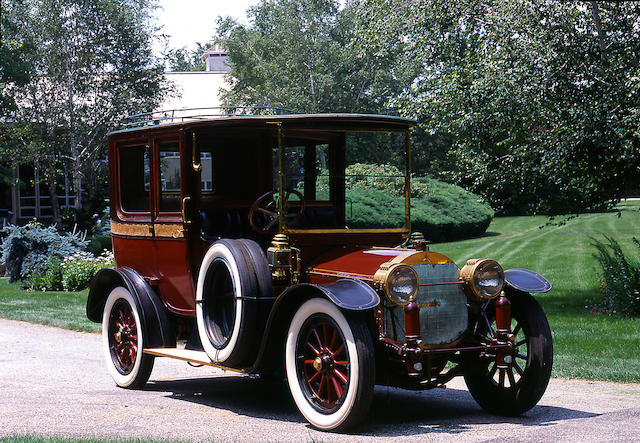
x=171 y=242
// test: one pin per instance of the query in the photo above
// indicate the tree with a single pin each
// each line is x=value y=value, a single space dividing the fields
x=539 y=99
x=184 y=60
x=93 y=67
x=16 y=49
x=305 y=55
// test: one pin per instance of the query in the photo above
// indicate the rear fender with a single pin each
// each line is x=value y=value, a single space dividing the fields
x=526 y=281
x=155 y=321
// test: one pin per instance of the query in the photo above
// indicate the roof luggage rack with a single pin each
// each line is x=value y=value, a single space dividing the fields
x=192 y=114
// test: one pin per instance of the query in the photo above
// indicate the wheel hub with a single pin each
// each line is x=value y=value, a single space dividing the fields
x=323 y=363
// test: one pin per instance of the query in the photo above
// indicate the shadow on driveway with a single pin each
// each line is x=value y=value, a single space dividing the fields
x=394 y=412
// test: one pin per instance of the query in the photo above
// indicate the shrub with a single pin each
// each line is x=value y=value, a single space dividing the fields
x=26 y=249
x=47 y=279
x=620 y=286
x=79 y=269
x=98 y=243
x=445 y=212
x=441 y=211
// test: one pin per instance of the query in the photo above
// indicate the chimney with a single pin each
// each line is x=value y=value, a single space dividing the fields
x=216 y=59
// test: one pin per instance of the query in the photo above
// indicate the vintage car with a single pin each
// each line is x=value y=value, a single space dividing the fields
x=237 y=245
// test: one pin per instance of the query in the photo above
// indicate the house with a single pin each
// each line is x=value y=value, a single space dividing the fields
x=28 y=197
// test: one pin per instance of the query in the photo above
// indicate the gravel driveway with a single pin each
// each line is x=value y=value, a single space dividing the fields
x=54 y=382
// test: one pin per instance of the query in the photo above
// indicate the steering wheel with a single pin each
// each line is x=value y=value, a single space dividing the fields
x=266 y=208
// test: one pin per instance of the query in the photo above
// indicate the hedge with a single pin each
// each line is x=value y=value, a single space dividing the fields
x=444 y=212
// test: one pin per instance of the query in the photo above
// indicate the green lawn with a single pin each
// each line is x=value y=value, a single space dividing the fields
x=586 y=346
x=62 y=309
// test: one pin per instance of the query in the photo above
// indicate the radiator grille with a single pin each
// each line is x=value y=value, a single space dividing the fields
x=443 y=307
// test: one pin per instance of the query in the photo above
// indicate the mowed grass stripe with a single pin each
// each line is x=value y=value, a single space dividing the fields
x=586 y=346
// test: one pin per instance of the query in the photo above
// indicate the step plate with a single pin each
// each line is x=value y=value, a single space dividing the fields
x=197 y=357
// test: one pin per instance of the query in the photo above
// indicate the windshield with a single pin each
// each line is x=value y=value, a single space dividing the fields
x=347 y=180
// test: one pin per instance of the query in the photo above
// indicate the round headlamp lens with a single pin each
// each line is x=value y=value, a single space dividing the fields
x=488 y=279
x=402 y=284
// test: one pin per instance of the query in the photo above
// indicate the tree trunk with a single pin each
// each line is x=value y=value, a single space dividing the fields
x=53 y=196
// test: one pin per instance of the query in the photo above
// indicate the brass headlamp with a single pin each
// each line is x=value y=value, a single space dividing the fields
x=484 y=278
x=398 y=281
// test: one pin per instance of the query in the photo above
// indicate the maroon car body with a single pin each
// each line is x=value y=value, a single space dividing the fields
x=236 y=246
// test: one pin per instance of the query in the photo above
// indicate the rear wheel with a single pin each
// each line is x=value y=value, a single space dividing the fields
x=123 y=341
x=330 y=365
x=515 y=386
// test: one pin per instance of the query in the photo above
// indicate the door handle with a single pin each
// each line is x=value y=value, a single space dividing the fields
x=185 y=221
x=195 y=161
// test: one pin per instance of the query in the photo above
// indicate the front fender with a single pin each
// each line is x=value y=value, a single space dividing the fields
x=526 y=281
x=349 y=294
x=346 y=293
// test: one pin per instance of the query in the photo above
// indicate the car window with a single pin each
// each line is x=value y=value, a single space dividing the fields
x=307 y=171
x=206 y=175
x=169 y=170
x=134 y=172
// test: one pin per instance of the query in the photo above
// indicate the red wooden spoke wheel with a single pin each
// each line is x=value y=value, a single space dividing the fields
x=516 y=384
x=123 y=340
x=123 y=336
x=323 y=363
x=330 y=364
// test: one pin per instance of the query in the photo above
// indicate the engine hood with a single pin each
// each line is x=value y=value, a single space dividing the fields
x=362 y=264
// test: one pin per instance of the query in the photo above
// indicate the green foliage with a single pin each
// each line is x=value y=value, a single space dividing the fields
x=305 y=55
x=79 y=269
x=620 y=278
x=446 y=212
x=184 y=60
x=47 y=279
x=93 y=66
x=537 y=99
x=16 y=48
x=27 y=249
x=98 y=243
x=441 y=211
x=61 y=309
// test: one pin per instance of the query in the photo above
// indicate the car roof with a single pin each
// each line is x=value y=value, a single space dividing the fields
x=336 y=121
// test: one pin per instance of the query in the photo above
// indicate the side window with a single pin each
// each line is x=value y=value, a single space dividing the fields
x=206 y=175
x=169 y=179
x=134 y=178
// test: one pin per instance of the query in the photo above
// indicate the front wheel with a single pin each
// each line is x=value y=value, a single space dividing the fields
x=517 y=384
x=330 y=365
x=123 y=341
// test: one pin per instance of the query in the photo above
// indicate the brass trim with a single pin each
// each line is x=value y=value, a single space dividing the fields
x=330 y=273
x=468 y=276
x=132 y=229
x=184 y=211
x=381 y=281
x=195 y=164
x=347 y=231
x=172 y=230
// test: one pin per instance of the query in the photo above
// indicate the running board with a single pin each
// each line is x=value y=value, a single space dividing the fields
x=197 y=357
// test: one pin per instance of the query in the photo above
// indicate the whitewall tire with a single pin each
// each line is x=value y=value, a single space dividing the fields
x=225 y=309
x=123 y=340
x=330 y=365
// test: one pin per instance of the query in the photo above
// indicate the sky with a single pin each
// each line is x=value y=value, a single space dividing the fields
x=190 y=21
